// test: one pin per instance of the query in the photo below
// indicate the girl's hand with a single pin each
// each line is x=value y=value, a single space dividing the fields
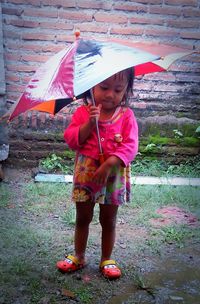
x=101 y=175
x=94 y=113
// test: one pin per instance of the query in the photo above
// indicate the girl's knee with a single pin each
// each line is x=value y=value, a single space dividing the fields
x=84 y=214
x=108 y=216
x=107 y=222
x=83 y=220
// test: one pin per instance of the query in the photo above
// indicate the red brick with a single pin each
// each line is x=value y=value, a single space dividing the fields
x=146 y=20
x=37 y=36
x=12 y=34
x=190 y=35
x=56 y=25
x=12 y=56
x=161 y=32
x=165 y=76
x=190 y=12
x=144 y=86
x=35 y=58
x=34 y=120
x=42 y=118
x=32 y=2
x=23 y=23
x=37 y=48
x=110 y=18
x=182 y=2
x=149 y=1
x=25 y=79
x=25 y=118
x=105 y=5
x=164 y=10
x=126 y=31
x=21 y=68
x=41 y=13
x=15 y=88
x=65 y=38
x=188 y=78
x=12 y=97
x=139 y=105
x=12 y=11
x=131 y=7
x=12 y=77
x=75 y=15
x=30 y=47
x=54 y=48
x=90 y=27
x=183 y=23
x=167 y=88
x=60 y=3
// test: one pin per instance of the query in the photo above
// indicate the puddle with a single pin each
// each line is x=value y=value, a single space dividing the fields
x=175 y=280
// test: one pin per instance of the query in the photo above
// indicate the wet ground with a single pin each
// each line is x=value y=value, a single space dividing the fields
x=174 y=278
x=169 y=276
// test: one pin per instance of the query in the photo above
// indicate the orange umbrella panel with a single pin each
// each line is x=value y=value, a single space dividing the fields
x=52 y=106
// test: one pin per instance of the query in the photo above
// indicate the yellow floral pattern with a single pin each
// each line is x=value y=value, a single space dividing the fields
x=84 y=171
x=80 y=195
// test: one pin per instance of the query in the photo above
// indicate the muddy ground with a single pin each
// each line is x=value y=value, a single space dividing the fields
x=162 y=274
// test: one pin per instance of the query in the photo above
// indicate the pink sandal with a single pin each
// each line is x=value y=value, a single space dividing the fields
x=70 y=264
x=110 y=270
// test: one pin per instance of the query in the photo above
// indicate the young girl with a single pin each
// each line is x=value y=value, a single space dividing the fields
x=106 y=183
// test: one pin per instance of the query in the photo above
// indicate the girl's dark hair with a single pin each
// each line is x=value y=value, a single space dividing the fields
x=130 y=73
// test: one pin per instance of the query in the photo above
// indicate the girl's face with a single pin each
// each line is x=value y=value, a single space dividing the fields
x=110 y=92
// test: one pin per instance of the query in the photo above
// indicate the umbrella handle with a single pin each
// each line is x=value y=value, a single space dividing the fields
x=97 y=126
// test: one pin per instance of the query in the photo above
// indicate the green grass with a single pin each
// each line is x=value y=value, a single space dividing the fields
x=159 y=195
x=5 y=195
x=153 y=167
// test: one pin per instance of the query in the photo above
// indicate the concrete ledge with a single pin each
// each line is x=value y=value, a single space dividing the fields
x=138 y=180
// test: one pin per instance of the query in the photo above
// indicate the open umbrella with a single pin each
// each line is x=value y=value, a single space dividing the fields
x=76 y=69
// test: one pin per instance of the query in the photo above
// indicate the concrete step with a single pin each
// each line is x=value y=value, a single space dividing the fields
x=137 y=180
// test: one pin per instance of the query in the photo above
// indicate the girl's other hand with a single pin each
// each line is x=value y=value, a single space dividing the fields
x=101 y=175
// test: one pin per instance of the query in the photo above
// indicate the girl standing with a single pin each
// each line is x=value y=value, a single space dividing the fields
x=106 y=183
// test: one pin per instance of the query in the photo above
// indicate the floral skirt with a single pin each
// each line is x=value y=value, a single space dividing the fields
x=115 y=192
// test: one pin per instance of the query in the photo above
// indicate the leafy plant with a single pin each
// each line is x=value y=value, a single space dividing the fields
x=55 y=162
x=176 y=234
x=177 y=133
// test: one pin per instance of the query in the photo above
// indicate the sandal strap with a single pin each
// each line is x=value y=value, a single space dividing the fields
x=73 y=259
x=107 y=262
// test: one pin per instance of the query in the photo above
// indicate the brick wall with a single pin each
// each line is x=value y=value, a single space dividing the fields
x=34 y=30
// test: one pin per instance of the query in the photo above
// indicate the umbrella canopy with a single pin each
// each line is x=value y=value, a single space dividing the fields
x=78 y=68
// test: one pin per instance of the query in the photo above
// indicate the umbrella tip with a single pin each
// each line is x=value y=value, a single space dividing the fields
x=77 y=33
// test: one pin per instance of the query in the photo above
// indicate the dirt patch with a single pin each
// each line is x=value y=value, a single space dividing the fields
x=171 y=215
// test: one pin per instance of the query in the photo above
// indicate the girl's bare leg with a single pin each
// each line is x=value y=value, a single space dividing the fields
x=84 y=215
x=108 y=217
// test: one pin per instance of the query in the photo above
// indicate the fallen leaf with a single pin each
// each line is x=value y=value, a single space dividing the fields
x=68 y=293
